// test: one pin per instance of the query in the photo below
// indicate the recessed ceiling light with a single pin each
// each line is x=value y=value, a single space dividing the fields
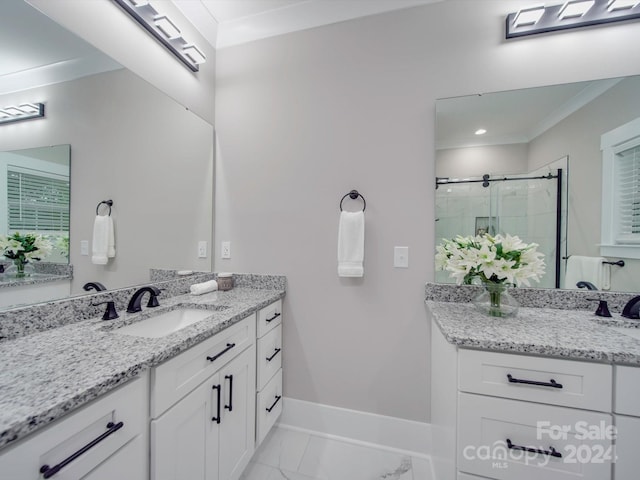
x=481 y=131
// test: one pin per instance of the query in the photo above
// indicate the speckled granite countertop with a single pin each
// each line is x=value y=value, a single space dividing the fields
x=45 y=375
x=572 y=334
x=33 y=279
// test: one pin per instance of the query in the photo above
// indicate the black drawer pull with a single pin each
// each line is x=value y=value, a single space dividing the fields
x=217 y=417
x=48 y=472
x=218 y=355
x=273 y=405
x=552 y=452
x=230 y=406
x=274 y=355
x=551 y=383
x=275 y=315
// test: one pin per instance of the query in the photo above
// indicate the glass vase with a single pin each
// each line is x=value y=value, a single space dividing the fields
x=20 y=269
x=496 y=301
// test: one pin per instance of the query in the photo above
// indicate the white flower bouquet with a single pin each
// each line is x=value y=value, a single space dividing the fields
x=499 y=260
x=24 y=248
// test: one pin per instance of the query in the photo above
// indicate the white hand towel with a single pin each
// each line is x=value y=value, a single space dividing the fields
x=351 y=244
x=102 y=240
x=204 y=287
x=587 y=269
x=111 y=246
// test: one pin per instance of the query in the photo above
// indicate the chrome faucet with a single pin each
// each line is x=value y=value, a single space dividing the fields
x=134 y=304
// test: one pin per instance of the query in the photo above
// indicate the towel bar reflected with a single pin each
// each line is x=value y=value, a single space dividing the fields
x=108 y=203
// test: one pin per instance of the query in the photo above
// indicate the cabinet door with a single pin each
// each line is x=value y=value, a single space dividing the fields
x=627 y=462
x=237 y=426
x=184 y=440
x=125 y=463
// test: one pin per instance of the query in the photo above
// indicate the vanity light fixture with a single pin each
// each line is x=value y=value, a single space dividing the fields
x=163 y=29
x=571 y=14
x=25 y=111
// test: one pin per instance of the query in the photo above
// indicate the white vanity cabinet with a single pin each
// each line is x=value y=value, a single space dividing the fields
x=627 y=420
x=506 y=416
x=103 y=440
x=268 y=386
x=203 y=408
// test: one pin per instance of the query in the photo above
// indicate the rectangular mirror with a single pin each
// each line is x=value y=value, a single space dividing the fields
x=131 y=143
x=532 y=133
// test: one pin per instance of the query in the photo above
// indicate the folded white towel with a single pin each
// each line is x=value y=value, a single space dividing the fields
x=204 y=287
x=587 y=269
x=103 y=246
x=351 y=244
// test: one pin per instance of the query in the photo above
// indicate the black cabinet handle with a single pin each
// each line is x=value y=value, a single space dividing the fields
x=274 y=355
x=48 y=472
x=275 y=315
x=273 y=405
x=552 y=452
x=217 y=417
x=230 y=406
x=218 y=355
x=551 y=383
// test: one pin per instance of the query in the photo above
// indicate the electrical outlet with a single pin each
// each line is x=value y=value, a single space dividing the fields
x=84 y=247
x=225 y=250
x=202 y=249
x=401 y=257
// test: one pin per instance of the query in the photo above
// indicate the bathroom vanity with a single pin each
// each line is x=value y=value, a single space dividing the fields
x=86 y=400
x=546 y=394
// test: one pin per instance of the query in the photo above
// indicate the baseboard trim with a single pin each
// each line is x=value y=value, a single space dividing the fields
x=357 y=427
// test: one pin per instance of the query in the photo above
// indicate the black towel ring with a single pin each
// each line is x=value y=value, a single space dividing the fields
x=109 y=203
x=353 y=194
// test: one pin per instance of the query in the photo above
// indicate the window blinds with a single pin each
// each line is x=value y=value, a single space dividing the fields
x=628 y=195
x=37 y=203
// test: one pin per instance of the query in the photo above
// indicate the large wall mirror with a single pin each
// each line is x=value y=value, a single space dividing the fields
x=497 y=162
x=128 y=141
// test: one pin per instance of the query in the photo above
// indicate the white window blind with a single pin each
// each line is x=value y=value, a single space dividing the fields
x=37 y=202
x=628 y=193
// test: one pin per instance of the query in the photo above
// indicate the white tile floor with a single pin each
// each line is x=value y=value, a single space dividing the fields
x=292 y=455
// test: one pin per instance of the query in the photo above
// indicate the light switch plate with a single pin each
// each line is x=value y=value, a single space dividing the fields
x=225 y=250
x=401 y=257
x=84 y=247
x=202 y=249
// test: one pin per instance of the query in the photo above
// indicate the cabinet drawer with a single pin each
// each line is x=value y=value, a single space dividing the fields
x=627 y=390
x=536 y=379
x=177 y=377
x=268 y=406
x=269 y=356
x=581 y=440
x=125 y=409
x=269 y=317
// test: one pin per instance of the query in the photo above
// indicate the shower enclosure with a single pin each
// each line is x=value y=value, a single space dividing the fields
x=531 y=206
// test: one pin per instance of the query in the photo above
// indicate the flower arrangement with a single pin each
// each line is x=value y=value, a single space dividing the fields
x=23 y=248
x=500 y=259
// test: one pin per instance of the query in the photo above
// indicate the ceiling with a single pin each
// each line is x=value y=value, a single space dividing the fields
x=225 y=23
x=512 y=117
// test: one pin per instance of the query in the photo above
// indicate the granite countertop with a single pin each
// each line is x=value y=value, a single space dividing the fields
x=45 y=375
x=33 y=279
x=571 y=334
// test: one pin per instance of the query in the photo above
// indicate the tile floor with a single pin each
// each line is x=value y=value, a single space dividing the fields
x=291 y=455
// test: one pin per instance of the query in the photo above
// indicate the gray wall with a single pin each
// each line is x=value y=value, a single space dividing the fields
x=476 y=161
x=303 y=118
x=133 y=144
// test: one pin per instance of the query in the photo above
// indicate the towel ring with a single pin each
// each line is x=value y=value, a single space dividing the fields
x=353 y=194
x=109 y=203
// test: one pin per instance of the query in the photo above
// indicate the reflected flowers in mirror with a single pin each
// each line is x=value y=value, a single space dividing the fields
x=24 y=248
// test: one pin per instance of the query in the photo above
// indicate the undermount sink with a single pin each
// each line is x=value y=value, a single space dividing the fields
x=629 y=331
x=165 y=323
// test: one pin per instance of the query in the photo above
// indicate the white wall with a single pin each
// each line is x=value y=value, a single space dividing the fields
x=107 y=27
x=476 y=161
x=303 y=118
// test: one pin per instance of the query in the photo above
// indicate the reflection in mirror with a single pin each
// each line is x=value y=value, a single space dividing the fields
x=34 y=197
x=131 y=143
x=531 y=133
